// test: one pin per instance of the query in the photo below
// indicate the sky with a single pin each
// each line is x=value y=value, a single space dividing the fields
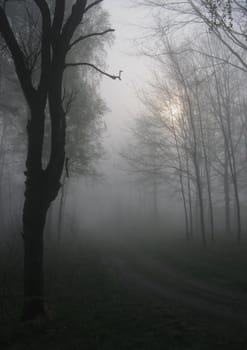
x=120 y=96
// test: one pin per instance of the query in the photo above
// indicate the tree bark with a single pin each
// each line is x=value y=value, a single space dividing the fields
x=34 y=215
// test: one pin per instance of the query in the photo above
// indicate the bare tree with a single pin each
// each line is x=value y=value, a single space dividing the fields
x=226 y=19
x=47 y=61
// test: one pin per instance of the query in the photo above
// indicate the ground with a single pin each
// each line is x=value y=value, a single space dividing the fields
x=137 y=294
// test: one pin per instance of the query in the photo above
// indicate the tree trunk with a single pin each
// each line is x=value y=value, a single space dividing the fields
x=60 y=212
x=41 y=189
x=234 y=175
x=206 y=164
x=227 y=193
x=201 y=205
x=34 y=215
x=155 y=203
x=189 y=199
x=181 y=182
x=185 y=208
x=238 y=207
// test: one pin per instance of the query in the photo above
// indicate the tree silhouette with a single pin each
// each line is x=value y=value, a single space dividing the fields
x=40 y=70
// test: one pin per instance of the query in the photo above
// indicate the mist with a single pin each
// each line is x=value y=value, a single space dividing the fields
x=123 y=175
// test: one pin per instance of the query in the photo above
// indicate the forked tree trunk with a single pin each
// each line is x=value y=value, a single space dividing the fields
x=41 y=189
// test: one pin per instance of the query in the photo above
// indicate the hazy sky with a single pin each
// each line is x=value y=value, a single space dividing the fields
x=120 y=96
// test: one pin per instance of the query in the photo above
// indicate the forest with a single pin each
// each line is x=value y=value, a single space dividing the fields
x=123 y=174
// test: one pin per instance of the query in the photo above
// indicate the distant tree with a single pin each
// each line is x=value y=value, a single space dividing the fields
x=222 y=100
x=40 y=66
x=11 y=134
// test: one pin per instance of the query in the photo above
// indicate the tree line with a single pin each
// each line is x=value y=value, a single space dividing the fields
x=192 y=132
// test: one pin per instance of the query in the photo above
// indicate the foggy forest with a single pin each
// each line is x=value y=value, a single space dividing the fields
x=123 y=174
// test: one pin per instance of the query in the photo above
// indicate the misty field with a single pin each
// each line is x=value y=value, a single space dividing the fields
x=132 y=294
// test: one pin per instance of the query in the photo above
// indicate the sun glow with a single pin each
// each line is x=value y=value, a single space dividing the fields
x=175 y=110
x=172 y=110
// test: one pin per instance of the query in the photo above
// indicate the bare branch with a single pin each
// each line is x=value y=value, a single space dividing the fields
x=92 y=5
x=87 y=36
x=17 y=55
x=80 y=64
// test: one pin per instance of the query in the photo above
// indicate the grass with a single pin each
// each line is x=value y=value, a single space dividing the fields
x=93 y=306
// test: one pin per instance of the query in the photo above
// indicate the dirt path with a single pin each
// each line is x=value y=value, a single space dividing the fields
x=153 y=278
